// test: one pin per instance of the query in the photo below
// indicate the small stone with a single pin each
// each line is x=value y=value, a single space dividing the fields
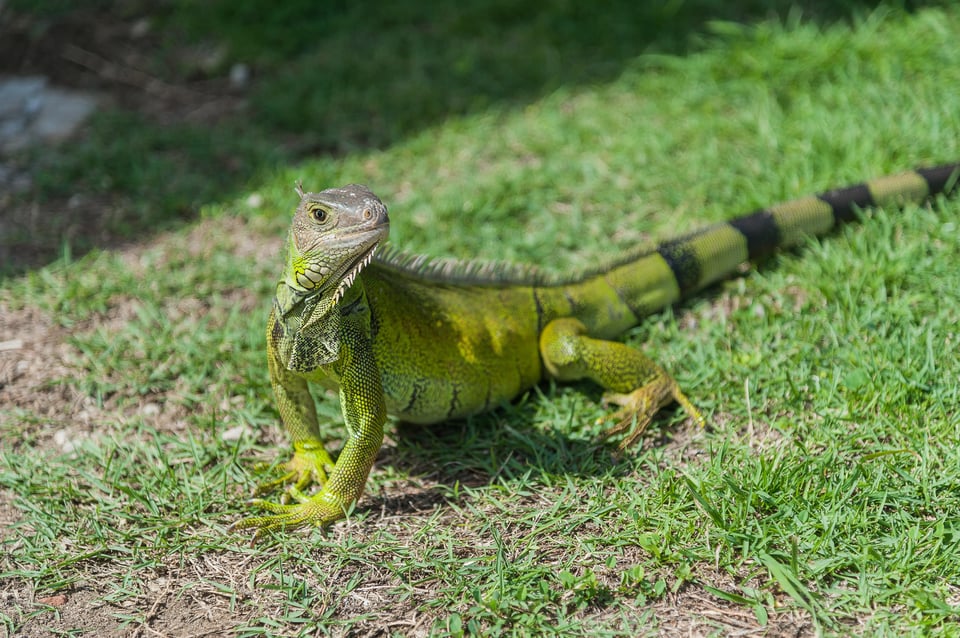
x=151 y=409
x=63 y=440
x=255 y=200
x=234 y=433
x=140 y=28
x=54 y=601
x=157 y=585
x=12 y=344
x=239 y=75
x=33 y=112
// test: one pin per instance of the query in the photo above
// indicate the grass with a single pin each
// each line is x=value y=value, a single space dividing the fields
x=822 y=497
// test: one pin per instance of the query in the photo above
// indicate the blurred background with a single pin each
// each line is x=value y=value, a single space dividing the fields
x=121 y=117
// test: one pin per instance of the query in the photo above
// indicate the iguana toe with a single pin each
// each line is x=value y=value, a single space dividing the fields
x=637 y=408
x=320 y=510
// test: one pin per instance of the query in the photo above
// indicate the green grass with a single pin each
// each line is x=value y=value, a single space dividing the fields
x=823 y=495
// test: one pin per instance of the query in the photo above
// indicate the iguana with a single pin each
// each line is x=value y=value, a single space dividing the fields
x=431 y=340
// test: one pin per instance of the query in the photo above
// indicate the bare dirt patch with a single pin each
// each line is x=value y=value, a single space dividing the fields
x=174 y=603
x=33 y=358
x=115 y=55
x=8 y=514
x=695 y=612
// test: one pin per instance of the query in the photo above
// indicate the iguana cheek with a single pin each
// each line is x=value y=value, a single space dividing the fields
x=311 y=276
x=305 y=282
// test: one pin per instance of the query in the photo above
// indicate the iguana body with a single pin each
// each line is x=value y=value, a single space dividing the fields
x=428 y=341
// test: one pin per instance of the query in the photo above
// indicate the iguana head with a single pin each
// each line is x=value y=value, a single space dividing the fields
x=333 y=236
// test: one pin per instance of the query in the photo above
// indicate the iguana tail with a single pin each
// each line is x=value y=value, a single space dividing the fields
x=610 y=301
x=704 y=257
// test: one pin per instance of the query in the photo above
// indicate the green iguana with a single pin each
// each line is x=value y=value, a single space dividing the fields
x=430 y=340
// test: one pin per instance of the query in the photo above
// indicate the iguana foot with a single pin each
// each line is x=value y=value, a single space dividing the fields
x=309 y=465
x=633 y=380
x=637 y=408
x=321 y=510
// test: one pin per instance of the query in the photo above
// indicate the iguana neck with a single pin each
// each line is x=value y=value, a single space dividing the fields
x=310 y=330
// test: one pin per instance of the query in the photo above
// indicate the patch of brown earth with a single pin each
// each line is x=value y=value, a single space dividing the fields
x=33 y=355
x=37 y=361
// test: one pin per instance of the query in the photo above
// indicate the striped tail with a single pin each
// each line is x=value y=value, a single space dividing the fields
x=711 y=254
x=610 y=300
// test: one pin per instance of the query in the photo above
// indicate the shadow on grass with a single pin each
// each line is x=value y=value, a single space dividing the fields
x=504 y=447
x=330 y=78
x=505 y=443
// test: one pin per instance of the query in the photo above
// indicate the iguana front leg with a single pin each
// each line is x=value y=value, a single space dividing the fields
x=310 y=462
x=633 y=380
x=364 y=411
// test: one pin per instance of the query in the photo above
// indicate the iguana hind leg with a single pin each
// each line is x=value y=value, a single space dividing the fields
x=632 y=379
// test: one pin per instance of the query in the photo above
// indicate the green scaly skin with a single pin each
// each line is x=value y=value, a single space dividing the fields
x=432 y=340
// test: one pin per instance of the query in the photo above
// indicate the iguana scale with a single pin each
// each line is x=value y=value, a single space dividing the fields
x=431 y=340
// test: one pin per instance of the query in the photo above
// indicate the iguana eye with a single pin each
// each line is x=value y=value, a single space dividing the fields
x=320 y=215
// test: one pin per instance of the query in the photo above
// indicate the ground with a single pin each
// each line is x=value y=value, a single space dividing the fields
x=184 y=595
x=102 y=53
